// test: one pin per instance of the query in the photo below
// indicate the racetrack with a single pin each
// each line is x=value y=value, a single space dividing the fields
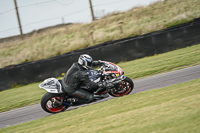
x=34 y=112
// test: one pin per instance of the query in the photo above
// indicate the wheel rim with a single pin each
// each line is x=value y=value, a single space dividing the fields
x=49 y=105
x=126 y=89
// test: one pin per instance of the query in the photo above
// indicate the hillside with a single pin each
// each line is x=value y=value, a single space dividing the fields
x=136 y=21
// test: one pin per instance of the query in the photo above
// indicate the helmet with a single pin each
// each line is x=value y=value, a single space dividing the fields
x=85 y=61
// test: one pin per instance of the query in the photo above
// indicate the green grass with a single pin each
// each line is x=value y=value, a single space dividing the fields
x=20 y=97
x=136 y=21
x=169 y=61
x=173 y=109
x=31 y=94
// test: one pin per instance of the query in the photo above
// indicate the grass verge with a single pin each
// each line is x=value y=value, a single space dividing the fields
x=31 y=94
x=165 y=62
x=173 y=109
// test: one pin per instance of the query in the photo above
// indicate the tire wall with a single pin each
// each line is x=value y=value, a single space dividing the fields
x=115 y=51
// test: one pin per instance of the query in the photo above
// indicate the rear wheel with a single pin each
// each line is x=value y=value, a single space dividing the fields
x=49 y=105
x=124 y=88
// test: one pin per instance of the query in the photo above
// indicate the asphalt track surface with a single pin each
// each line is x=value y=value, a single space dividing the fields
x=34 y=112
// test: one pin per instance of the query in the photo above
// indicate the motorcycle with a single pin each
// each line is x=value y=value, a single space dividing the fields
x=55 y=100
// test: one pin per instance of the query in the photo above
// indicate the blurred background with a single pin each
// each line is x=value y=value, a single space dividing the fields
x=38 y=14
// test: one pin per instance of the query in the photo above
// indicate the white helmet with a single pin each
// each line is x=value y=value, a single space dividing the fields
x=85 y=61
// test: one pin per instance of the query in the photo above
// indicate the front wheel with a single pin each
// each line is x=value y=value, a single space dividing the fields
x=124 y=88
x=48 y=103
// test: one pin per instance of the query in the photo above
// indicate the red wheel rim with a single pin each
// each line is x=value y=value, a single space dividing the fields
x=127 y=88
x=51 y=108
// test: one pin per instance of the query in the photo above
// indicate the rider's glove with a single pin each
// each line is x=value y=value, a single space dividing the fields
x=97 y=63
x=101 y=62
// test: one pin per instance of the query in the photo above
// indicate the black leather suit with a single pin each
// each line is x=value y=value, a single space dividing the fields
x=76 y=77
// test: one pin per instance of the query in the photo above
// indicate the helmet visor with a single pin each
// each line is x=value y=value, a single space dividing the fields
x=89 y=63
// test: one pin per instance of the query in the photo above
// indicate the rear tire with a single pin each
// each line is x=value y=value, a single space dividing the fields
x=47 y=104
x=127 y=85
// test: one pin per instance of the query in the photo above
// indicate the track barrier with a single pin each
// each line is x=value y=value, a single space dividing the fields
x=126 y=49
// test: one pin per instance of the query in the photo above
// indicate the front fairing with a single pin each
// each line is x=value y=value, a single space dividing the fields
x=108 y=69
x=113 y=69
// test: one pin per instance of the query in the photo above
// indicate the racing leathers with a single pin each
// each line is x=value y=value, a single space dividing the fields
x=76 y=77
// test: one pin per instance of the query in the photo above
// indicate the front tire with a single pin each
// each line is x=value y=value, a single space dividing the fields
x=126 y=87
x=47 y=103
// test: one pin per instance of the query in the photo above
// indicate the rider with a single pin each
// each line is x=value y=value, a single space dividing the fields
x=77 y=76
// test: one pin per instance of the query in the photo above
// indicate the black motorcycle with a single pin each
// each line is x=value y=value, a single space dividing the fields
x=55 y=100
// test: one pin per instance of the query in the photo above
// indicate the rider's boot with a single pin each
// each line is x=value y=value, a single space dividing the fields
x=66 y=104
x=72 y=101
